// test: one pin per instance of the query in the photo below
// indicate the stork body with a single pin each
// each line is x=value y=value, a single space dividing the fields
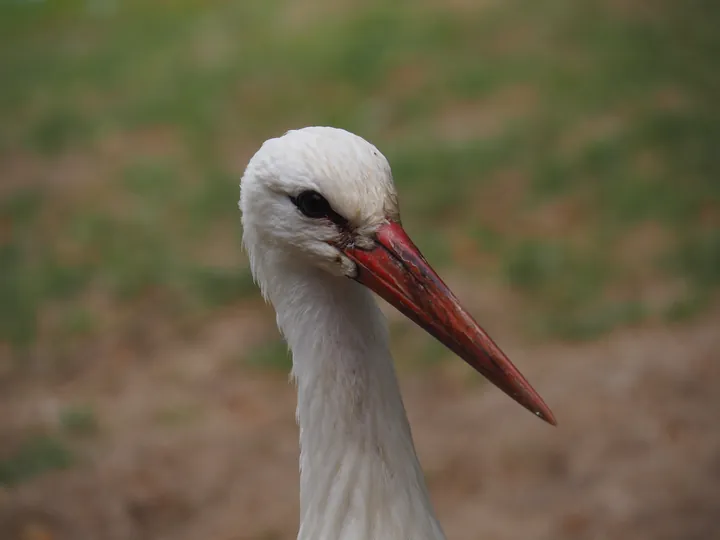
x=321 y=223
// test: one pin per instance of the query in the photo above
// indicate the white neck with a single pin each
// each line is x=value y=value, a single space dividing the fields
x=359 y=475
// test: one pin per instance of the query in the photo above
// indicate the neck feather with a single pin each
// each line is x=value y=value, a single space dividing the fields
x=359 y=475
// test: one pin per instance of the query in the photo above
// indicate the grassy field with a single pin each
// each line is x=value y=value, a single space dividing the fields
x=563 y=152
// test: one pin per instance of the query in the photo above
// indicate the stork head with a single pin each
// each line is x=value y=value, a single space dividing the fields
x=314 y=191
x=324 y=197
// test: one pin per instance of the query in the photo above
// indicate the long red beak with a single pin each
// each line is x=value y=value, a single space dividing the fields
x=396 y=270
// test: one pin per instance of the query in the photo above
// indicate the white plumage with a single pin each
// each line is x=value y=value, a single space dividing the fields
x=360 y=478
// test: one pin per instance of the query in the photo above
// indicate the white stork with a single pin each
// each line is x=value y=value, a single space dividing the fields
x=321 y=226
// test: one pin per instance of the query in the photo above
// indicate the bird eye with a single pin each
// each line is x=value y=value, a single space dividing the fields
x=312 y=204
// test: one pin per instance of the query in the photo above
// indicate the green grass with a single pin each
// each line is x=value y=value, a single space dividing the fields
x=698 y=257
x=177 y=416
x=137 y=121
x=58 y=131
x=272 y=355
x=79 y=420
x=37 y=455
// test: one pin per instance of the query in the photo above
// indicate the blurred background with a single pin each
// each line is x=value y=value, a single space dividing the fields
x=557 y=161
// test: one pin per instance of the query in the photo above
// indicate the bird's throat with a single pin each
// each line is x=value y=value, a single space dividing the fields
x=360 y=477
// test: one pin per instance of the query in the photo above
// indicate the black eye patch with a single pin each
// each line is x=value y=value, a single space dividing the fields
x=315 y=206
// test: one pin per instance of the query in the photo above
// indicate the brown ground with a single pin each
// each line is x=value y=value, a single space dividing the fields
x=194 y=446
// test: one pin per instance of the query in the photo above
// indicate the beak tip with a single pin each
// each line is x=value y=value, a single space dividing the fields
x=547 y=416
